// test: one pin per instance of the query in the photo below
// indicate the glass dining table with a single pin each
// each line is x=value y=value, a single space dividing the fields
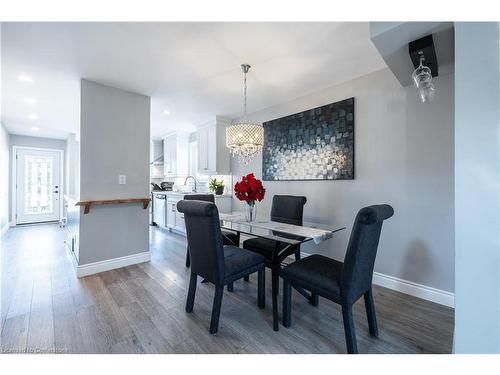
x=287 y=237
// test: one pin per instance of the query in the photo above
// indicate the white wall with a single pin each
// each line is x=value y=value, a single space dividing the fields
x=114 y=140
x=403 y=157
x=477 y=184
x=4 y=178
x=72 y=166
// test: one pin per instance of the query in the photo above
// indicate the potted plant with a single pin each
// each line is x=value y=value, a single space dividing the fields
x=216 y=186
x=250 y=190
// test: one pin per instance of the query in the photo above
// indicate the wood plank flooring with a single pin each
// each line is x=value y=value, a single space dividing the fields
x=140 y=309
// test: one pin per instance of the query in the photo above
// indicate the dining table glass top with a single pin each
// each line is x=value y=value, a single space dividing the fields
x=285 y=233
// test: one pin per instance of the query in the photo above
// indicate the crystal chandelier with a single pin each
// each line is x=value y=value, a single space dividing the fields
x=422 y=78
x=245 y=139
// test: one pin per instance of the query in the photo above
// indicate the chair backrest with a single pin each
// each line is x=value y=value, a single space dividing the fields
x=204 y=239
x=200 y=197
x=359 y=259
x=288 y=209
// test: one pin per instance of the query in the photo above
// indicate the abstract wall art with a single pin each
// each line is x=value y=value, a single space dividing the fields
x=317 y=144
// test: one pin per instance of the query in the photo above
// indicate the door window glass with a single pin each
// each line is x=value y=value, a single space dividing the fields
x=38 y=184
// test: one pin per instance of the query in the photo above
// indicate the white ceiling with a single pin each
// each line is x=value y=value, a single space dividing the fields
x=191 y=69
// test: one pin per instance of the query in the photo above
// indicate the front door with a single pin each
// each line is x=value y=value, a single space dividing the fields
x=37 y=185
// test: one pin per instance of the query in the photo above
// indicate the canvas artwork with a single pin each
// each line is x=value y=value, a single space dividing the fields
x=317 y=144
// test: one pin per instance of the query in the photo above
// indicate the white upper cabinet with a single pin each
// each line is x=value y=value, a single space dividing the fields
x=213 y=155
x=176 y=154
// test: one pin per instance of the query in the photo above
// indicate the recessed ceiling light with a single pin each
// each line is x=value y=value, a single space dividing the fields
x=30 y=100
x=25 y=78
x=35 y=129
x=33 y=116
x=166 y=112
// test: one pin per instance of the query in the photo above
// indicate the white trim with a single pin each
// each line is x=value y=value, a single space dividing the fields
x=416 y=290
x=428 y=293
x=111 y=264
x=13 y=194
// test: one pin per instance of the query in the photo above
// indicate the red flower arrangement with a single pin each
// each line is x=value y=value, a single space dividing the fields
x=249 y=189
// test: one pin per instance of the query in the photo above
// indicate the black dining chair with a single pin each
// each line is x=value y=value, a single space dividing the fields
x=218 y=263
x=343 y=283
x=229 y=238
x=287 y=209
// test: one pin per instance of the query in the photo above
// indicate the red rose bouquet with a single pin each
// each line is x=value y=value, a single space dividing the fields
x=250 y=189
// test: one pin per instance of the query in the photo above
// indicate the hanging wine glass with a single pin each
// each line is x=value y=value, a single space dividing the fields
x=422 y=78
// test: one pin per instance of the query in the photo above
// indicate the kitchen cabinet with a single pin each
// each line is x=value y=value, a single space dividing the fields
x=156 y=152
x=175 y=219
x=176 y=154
x=169 y=157
x=156 y=159
x=180 y=225
x=213 y=155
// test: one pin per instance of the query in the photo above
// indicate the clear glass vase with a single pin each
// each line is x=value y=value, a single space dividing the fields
x=250 y=212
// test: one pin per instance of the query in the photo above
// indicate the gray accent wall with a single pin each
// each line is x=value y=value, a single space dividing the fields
x=114 y=140
x=403 y=157
x=477 y=188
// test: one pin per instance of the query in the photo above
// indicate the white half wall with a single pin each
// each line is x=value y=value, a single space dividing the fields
x=404 y=157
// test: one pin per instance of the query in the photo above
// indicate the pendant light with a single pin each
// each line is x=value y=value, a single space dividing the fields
x=245 y=139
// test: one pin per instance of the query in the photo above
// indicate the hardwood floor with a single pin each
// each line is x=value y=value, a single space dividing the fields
x=140 y=309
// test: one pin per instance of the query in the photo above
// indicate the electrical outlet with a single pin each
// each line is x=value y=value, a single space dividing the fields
x=122 y=179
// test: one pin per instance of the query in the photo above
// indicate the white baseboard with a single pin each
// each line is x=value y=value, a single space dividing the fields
x=111 y=264
x=417 y=290
x=413 y=289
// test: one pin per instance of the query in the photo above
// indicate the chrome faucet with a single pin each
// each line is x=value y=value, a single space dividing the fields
x=194 y=179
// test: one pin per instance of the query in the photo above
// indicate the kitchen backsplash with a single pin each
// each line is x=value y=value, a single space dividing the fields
x=202 y=182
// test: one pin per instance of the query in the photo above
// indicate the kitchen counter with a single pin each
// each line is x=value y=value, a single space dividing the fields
x=179 y=193
x=165 y=213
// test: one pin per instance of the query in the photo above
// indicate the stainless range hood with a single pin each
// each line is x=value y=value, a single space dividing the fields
x=157 y=161
x=157 y=151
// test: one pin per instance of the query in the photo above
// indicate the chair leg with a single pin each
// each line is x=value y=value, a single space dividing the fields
x=214 y=321
x=297 y=254
x=370 y=313
x=275 y=289
x=188 y=258
x=314 y=300
x=261 y=288
x=191 y=292
x=246 y=278
x=230 y=287
x=287 y=303
x=350 y=334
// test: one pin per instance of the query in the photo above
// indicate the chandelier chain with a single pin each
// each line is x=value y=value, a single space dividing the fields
x=245 y=96
x=245 y=139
